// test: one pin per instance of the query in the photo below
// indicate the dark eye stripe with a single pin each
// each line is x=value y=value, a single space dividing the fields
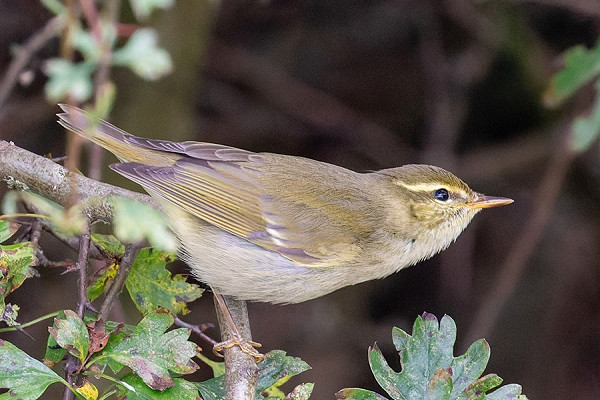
x=441 y=195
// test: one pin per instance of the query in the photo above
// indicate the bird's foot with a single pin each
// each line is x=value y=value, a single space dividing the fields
x=247 y=346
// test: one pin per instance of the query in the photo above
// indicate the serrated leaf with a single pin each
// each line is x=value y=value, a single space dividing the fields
x=143 y=8
x=274 y=370
x=151 y=285
x=151 y=353
x=468 y=367
x=134 y=221
x=71 y=334
x=68 y=80
x=358 y=394
x=399 y=338
x=277 y=368
x=581 y=66
x=387 y=378
x=429 y=369
x=181 y=390
x=25 y=377
x=142 y=54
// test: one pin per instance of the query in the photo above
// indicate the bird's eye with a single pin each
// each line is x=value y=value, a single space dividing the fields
x=441 y=195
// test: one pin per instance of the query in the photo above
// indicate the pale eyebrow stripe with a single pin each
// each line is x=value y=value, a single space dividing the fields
x=423 y=187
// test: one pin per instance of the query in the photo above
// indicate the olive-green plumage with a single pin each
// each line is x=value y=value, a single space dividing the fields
x=285 y=229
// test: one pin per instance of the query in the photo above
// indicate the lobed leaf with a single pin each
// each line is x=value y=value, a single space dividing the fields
x=274 y=370
x=151 y=285
x=152 y=353
x=429 y=369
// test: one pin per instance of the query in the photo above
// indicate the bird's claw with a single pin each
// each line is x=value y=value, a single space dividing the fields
x=247 y=346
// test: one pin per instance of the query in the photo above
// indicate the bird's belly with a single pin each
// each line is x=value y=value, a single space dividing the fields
x=236 y=267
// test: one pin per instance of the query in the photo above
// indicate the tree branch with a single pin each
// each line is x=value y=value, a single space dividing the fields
x=21 y=168
x=241 y=371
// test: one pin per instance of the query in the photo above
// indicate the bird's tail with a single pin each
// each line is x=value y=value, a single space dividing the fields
x=113 y=139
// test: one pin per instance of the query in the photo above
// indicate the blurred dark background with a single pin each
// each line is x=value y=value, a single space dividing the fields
x=369 y=85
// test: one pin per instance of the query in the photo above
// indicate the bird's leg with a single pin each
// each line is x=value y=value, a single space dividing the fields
x=236 y=339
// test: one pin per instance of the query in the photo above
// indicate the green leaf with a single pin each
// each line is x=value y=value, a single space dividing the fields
x=151 y=353
x=7 y=229
x=181 y=390
x=54 y=353
x=102 y=280
x=25 y=377
x=68 y=80
x=70 y=222
x=468 y=367
x=301 y=392
x=440 y=385
x=151 y=285
x=109 y=245
x=143 y=8
x=429 y=369
x=276 y=369
x=217 y=367
x=477 y=389
x=581 y=66
x=587 y=129
x=135 y=221
x=358 y=394
x=89 y=46
x=212 y=389
x=142 y=54
x=71 y=334
x=15 y=267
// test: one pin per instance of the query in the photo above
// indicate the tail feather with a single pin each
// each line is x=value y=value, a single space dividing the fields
x=122 y=144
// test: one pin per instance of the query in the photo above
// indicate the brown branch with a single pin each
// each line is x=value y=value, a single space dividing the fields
x=82 y=267
x=56 y=183
x=131 y=252
x=241 y=371
x=197 y=329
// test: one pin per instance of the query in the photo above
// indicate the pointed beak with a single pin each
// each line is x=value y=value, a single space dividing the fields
x=489 y=201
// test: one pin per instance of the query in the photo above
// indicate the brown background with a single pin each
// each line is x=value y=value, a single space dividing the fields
x=368 y=85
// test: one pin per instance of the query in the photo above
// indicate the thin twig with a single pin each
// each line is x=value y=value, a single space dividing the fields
x=131 y=252
x=21 y=60
x=82 y=263
x=198 y=330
